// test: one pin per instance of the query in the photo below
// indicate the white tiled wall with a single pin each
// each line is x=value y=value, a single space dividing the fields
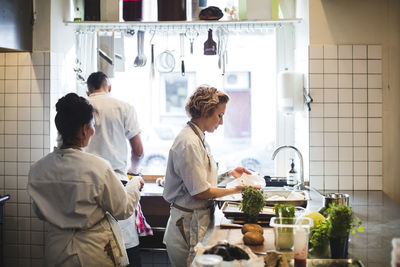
x=24 y=138
x=30 y=85
x=346 y=117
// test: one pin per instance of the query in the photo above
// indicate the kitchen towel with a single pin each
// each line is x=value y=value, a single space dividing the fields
x=143 y=228
x=105 y=52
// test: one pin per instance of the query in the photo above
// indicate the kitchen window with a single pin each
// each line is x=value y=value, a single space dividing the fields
x=247 y=137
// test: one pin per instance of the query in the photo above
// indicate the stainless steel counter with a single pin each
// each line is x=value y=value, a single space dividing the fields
x=379 y=214
x=151 y=190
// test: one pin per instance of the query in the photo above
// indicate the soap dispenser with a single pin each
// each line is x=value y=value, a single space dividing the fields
x=292 y=175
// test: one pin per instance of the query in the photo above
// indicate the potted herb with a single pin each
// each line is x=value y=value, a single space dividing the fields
x=284 y=237
x=342 y=221
x=252 y=203
x=319 y=240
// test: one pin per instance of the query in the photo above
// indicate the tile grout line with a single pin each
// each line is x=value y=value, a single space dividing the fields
x=323 y=117
x=337 y=103
x=368 y=162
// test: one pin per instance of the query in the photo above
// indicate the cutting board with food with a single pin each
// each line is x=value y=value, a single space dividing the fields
x=235 y=236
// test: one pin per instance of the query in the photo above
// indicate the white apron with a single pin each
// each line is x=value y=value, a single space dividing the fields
x=186 y=229
x=97 y=246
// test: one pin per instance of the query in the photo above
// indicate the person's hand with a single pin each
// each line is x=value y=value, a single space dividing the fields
x=141 y=183
x=239 y=188
x=238 y=171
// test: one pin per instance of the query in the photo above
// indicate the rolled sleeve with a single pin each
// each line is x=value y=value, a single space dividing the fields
x=190 y=165
x=131 y=123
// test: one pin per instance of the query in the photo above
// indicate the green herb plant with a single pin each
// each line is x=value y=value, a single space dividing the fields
x=284 y=211
x=252 y=202
x=342 y=221
x=319 y=235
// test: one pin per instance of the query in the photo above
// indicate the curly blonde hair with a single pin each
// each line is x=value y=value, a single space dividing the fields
x=204 y=101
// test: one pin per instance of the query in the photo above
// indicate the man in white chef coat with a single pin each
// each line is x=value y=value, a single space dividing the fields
x=116 y=125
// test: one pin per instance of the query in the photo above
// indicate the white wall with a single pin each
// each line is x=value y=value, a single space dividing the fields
x=369 y=22
x=41 y=28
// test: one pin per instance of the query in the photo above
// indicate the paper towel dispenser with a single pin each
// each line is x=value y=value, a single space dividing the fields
x=290 y=91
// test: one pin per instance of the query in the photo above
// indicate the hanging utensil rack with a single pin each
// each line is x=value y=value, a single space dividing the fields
x=181 y=26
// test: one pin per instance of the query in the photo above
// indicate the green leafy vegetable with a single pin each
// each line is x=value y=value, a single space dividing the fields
x=283 y=210
x=252 y=201
x=319 y=235
x=342 y=221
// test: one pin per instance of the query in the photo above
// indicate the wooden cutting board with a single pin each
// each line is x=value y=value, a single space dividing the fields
x=235 y=236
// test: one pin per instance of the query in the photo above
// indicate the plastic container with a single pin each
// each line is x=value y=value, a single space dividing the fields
x=292 y=233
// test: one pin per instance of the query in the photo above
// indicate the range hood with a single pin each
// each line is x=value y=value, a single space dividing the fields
x=16 y=25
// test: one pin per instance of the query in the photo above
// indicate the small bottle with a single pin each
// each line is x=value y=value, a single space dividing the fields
x=210 y=47
x=292 y=175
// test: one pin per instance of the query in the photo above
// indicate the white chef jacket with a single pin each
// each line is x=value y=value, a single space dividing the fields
x=115 y=123
x=188 y=170
x=72 y=190
x=191 y=170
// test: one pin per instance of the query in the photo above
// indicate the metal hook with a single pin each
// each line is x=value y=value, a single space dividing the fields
x=152 y=32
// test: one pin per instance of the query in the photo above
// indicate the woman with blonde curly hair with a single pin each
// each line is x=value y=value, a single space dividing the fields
x=191 y=178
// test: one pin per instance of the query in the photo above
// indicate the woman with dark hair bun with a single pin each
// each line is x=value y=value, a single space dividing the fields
x=77 y=192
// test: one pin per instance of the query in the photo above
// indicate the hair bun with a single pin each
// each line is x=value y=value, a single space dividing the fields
x=68 y=102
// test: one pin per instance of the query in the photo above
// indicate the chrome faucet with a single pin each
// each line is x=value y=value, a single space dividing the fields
x=301 y=184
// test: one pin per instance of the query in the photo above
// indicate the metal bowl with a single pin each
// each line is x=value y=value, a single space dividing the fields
x=336 y=198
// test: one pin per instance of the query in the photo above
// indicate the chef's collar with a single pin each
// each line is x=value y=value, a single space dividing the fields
x=98 y=93
x=64 y=150
x=199 y=131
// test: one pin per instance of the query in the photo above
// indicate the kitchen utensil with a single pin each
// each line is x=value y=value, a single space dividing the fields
x=230 y=225
x=222 y=35
x=165 y=60
x=191 y=34
x=182 y=36
x=332 y=262
x=231 y=210
x=140 y=59
x=336 y=198
x=152 y=68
